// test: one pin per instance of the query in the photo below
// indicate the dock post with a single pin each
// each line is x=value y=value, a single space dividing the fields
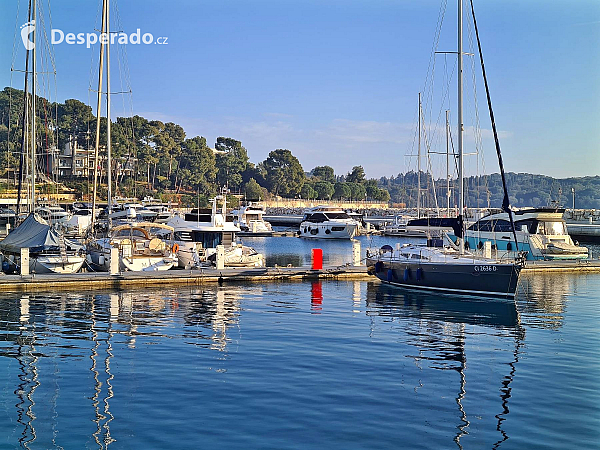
x=220 y=257
x=355 y=252
x=114 y=260
x=24 y=261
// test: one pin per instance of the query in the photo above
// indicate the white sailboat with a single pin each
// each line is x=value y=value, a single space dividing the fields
x=49 y=251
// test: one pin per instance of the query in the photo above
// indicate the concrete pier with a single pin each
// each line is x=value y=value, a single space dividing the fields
x=104 y=280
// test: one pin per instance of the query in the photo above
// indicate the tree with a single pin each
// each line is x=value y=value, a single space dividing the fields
x=357 y=191
x=284 y=174
x=356 y=176
x=308 y=191
x=341 y=191
x=232 y=164
x=324 y=189
x=197 y=165
x=253 y=190
x=324 y=173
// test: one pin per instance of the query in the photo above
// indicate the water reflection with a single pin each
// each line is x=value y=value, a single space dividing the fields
x=61 y=327
x=543 y=296
x=438 y=330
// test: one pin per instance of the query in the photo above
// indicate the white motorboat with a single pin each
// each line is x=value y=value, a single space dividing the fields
x=327 y=222
x=541 y=232
x=199 y=232
x=143 y=246
x=250 y=218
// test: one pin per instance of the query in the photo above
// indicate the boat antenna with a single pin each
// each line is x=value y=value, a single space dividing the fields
x=505 y=201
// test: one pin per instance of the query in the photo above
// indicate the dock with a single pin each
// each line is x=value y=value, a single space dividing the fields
x=580 y=265
x=91 y=281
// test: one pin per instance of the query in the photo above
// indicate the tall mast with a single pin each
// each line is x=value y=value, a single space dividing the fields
x=98 y=111
x=108 y=140
x=461 y=204
x=447 y=164
x=33 y=90
x=24 y=123
x=419 y=163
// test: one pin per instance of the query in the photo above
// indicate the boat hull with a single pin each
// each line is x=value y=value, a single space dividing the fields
x=493 y=280
x=56 y=264
x=328 y=230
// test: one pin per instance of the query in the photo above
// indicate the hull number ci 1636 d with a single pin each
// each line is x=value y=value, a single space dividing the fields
x=485 y=268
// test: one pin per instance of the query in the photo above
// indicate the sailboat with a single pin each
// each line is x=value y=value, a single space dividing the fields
x=49 y=251
x=142 y=246
x=451 y=269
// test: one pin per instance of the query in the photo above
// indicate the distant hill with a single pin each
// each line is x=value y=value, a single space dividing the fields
x=525 y=189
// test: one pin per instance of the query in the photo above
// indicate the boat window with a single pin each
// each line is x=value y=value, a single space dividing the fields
x=337 y=228
x=337 y=215
x=209 y=239
x=183 y=236
x=317 y=218
x=406 y=255
x=552 y=228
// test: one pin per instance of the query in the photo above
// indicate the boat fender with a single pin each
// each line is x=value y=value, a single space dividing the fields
x=419 y=274
x=378 y=267
x=101 y=260
x=175 y=248
x=406 y=274
x=390 y=275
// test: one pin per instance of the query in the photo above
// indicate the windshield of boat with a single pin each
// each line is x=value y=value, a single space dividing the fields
x=337 y=215
x=552 y=228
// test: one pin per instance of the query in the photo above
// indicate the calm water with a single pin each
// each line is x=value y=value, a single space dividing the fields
x=302 y=365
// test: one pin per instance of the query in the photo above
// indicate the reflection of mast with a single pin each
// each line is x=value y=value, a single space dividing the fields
x=462 y=391
x=103 y=416
x=506 y=389
x=28 y=384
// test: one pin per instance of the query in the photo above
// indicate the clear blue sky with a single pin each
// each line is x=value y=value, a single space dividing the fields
x=336 y=82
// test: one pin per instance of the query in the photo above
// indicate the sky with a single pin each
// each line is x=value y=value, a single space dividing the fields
x=337 y=82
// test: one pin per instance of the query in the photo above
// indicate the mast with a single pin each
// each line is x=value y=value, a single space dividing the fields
x=419 y=163
x=447 y=164
x=461 y=199
x=24 y=122
x=98 y=110
x=108 y=140
x=33 y=83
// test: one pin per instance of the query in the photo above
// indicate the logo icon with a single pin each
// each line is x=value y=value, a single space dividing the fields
x=26 y=30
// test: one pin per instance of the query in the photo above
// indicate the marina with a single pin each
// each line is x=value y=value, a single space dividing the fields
x=354 y=264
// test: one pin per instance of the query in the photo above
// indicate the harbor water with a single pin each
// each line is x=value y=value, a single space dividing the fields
x=338 y=364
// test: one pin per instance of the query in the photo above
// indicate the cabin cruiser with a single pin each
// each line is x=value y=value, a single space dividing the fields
x=541 y=232
x=53 y=214
x=250 y=218
x=143 y=246
x=49 y=250
x=327 y=222
x=132 y=212
x=198 y=233
x=444 y=269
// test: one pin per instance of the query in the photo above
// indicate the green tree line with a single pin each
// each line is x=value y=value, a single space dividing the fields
x=165 y=159
x=524 y=190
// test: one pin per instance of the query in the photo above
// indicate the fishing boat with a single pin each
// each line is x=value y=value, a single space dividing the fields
x=143 y=246
x=199 y=232
x=541 y=233
x=451 y=268
x=327 y=222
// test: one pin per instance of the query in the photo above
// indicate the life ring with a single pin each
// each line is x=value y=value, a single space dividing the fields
x=175 y=248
